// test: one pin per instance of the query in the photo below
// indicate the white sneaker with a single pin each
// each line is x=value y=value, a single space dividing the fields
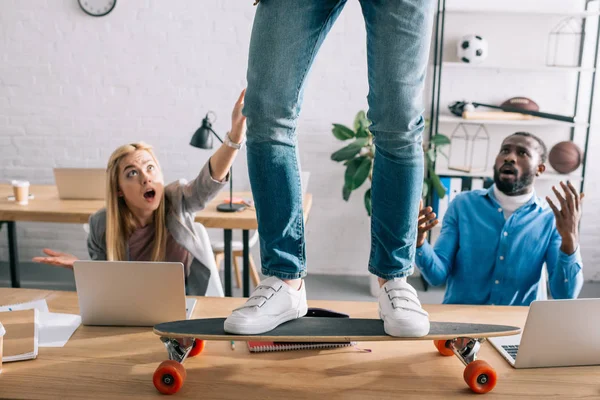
x=271 y=304
x=401 y=311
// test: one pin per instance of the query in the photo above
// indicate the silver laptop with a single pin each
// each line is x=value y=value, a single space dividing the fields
x=125 y=293
x=557 y=333
x=80 y=183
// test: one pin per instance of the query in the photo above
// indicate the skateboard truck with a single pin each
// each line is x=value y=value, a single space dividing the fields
x=465 y=348
x=178 y=349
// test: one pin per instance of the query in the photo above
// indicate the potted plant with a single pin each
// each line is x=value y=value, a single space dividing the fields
x=359 y=154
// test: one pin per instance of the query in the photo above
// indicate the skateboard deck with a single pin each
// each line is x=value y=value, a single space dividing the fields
x=185 y=339
x=320 y=329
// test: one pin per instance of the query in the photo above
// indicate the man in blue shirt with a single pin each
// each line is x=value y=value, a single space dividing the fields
x=494 y=242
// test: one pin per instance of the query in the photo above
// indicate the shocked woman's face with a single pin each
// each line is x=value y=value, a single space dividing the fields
x=141 y=182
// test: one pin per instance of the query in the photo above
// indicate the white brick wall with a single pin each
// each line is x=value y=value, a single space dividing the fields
x=73 y=87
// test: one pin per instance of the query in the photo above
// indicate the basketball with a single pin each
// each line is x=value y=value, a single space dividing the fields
x=565 y=157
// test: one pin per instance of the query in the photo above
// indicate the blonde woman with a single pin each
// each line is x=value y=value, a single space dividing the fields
x=144 y=220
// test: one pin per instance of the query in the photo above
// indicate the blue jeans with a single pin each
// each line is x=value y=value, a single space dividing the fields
x=286 y=37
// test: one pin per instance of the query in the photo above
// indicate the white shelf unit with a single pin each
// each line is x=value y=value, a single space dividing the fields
x=449 y=64
x=548 y=175
x=440 y=115
x=512 y=13
x=528 y=122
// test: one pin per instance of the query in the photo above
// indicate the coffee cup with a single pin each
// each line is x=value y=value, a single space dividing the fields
x=21 y=191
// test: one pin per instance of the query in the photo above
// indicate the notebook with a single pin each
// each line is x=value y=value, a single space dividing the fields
x=260 y=347
x=54 y=329
x=21 y=338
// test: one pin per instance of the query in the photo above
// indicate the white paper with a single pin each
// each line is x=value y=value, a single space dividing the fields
x=54 y=329
x=190 y=303
x=39 y=305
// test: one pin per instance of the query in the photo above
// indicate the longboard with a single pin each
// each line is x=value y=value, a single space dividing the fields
x=187 y=338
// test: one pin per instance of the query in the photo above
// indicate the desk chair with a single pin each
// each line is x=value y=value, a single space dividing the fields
x=237 y=248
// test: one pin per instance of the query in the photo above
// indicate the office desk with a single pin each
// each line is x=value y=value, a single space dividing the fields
x=112 y=362
x=47 y=207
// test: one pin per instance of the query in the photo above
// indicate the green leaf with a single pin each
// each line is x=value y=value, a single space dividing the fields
x=368 y=201
x=346 y=192
x=350 y=151
x=357 y=172
x=437 y=183
x=363 y=132
x=342 y=132
x=430 y=157
x=426 y=187
x=439 y=140
x=361 y=121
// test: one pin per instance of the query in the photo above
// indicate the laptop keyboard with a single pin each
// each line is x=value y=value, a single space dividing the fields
x=511 y=350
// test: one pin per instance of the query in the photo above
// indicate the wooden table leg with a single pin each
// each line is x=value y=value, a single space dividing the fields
x=13 y=254
x=227 y=263
x=246 y=254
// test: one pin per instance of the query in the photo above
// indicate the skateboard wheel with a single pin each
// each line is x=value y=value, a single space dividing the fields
x=480 y=376
x=197 y=348
x=169 y=377
x=442 y=348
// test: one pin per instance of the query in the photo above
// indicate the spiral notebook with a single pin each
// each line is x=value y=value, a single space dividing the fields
x=260 y=347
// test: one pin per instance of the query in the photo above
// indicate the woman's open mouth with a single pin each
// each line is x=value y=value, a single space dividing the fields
x=150 y=194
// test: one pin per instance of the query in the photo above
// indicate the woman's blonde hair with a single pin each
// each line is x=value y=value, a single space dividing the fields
x=120 y=222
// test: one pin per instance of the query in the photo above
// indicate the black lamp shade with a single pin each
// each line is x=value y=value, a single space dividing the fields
x=202 y=139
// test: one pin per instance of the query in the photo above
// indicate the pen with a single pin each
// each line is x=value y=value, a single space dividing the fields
x=232 y=345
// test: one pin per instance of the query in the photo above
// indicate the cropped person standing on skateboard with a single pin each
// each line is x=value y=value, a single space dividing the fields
x=494 y=242
x=286 y=37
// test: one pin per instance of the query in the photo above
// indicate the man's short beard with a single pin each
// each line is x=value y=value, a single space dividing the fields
x=516 y=187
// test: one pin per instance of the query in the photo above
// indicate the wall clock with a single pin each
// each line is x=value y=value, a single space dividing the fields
x=97 y=8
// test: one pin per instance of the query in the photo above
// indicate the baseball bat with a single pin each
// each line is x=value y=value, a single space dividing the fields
x=496 y=115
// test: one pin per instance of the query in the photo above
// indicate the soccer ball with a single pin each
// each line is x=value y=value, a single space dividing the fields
x=472 y=49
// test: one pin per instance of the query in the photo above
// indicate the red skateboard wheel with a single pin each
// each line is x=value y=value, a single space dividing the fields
x=169 y=377
x=442 y=348
x=480 y=376
x=197 y=347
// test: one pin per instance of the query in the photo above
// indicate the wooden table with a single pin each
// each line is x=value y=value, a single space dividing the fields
x=112 y=362
x=48 y=207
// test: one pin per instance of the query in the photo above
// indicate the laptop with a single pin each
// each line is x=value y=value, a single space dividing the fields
x=557 y=333
x=80 y=183
x=131 y=293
